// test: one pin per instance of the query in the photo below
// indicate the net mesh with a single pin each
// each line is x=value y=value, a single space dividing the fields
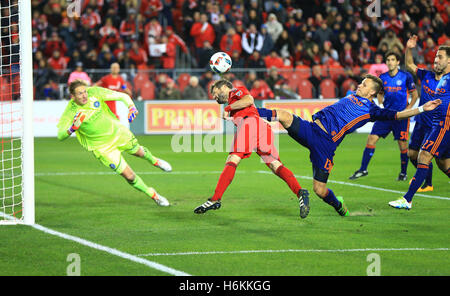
x=11 y=125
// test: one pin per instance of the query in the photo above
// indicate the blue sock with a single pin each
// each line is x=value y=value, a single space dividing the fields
x=404 y=161
x=332 y=200
x=429 y=178
x=367 y=156
x=417 y=181
x=267 y=114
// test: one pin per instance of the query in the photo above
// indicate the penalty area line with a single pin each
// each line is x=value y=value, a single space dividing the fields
x=106 y=249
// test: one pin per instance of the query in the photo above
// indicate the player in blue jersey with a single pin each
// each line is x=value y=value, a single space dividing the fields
x=437 y=143
x=397 y=84
x=429 y=81
x=329 y=127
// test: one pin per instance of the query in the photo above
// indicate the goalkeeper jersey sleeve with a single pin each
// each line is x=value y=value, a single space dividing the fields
x=100 y=126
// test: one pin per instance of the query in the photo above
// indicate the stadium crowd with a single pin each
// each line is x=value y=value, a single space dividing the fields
x=322 y=40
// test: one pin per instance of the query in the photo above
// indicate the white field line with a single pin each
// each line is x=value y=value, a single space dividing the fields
x=367 y=187
x=295 y=251
x=108 y=250
x=243 y=172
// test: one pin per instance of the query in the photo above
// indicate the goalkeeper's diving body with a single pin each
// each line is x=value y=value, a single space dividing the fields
x=99 y=131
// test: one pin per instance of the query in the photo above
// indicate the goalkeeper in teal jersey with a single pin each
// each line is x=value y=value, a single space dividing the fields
x=98 y=130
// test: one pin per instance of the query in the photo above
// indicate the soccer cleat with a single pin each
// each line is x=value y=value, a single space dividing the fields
x=303 y=202
x=358 y=174
x=401 y=203
x=208 y=205
x=425 y=188
x=161 y=200
x=343 y=211
x=163 y=165
x=402 y=177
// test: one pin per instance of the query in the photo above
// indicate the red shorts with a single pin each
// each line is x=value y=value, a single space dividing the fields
x=254 y=134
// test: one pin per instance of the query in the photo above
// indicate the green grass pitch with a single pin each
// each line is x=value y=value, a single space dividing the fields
x=256 y=232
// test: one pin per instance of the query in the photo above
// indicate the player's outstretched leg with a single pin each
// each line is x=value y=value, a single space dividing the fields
x=136 y=181
x=327 y=195
x=145 y=153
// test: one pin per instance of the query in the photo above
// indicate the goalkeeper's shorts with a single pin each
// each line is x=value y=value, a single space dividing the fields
x=111 y=155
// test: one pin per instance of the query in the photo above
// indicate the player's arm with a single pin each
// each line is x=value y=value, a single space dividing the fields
x=244 y=102
x=428 y=106
x=69 y=123
x=414 y=96
x=383 y=114
x=380 y=98
x=409 y=61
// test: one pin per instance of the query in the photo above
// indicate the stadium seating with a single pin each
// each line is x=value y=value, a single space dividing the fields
x=148 y=91
x=346 y=85
x=328 y=89
x=305 y=89
x=335 y=71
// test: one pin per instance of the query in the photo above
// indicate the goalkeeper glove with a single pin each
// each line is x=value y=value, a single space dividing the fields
x=132 y=112
x=77 y=121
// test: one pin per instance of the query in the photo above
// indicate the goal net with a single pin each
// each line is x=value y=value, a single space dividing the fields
x=16 y=99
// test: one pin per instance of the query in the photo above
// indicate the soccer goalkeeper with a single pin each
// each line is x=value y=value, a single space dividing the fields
x=99 y=131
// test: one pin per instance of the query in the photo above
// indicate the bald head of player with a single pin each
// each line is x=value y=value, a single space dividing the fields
x=369 y=87
x=115 y=68
x=220 y=90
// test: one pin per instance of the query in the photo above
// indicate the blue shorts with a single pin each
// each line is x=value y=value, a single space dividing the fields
x=400 y=129
x=319 y=143
x=438 y=142
x=418 y=136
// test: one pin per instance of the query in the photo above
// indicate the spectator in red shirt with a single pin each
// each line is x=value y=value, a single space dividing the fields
x=202 y=31
x=137 y=54
x=152 y=33
x=392 y=22
x=127 y=27
x=114 y=82
x=151 y=8
x=108 y=29
x=53 y=44
x=168 y=58
x=175 y=39
x=261 y=91
x=91 y=17
x=274 y=60
x=230 y=42
x=57 y=62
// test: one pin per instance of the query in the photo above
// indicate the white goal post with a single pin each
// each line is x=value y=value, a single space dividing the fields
x=16 y=114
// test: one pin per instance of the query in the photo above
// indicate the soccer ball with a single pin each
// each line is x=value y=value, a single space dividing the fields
x=220 y=62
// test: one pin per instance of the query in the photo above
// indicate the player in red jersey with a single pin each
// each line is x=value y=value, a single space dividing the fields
x=114 y=81
x=253 y=134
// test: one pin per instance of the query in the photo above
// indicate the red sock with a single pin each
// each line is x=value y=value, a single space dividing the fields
x=285 y=174
x=224 y=180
